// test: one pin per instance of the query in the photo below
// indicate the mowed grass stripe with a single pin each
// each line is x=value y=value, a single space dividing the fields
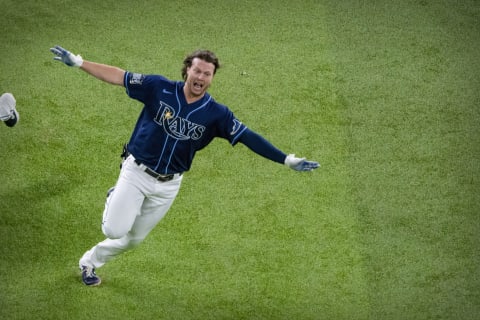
x=411 y=86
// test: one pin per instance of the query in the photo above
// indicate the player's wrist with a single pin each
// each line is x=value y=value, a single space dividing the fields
x=76 y=60
x=291 y=161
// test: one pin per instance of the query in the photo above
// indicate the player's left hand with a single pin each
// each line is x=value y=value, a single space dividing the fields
x=300 y=164
x=8 y=112
x=67 y=57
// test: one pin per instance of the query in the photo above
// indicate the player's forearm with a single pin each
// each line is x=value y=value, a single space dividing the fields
x=261 y=146
x=104 y=72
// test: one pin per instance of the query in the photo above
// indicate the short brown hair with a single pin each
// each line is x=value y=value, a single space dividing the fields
x=204 y=55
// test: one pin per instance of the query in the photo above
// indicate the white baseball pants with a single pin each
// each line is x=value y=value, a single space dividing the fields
x=132 y=210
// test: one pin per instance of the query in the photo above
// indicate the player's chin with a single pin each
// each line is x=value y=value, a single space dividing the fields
x=199 y=91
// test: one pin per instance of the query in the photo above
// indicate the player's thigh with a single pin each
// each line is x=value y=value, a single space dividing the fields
x=154 y=208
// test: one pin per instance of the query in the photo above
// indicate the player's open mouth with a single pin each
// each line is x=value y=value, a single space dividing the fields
x=197 y=85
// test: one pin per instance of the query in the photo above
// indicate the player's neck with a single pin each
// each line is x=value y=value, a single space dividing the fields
x=191 y=100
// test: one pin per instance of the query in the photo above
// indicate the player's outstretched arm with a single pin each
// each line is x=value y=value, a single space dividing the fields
x=104 y=72
x=100 y=71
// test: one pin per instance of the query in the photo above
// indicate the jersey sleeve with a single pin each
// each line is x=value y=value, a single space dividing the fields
x=230 y=127
x=140 y=86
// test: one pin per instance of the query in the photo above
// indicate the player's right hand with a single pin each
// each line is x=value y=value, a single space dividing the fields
x=66 y=57
x=300 y=164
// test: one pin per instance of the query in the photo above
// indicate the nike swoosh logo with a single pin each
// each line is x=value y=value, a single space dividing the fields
x=166 y=91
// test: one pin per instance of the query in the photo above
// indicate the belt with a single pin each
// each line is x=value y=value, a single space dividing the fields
x=158 y=176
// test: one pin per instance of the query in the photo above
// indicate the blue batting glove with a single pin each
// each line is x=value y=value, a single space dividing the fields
x=66 y=57
x=300 y=164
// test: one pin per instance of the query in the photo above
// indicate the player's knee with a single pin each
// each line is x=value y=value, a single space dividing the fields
x=128 y=243
x=113 y=233
x=132 y=243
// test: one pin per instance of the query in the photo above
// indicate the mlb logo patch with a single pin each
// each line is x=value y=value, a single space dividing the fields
x=137 y=78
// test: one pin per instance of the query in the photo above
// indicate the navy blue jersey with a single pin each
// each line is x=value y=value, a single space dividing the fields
x=169 y=130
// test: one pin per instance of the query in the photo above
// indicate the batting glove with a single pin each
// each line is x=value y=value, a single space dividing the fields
x=300 y=164
x=8 y=112
x=66 y=57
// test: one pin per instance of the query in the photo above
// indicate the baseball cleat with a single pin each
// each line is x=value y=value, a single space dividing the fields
x=89 y=276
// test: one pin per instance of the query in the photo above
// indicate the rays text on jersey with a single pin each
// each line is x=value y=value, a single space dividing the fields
x=177 y=127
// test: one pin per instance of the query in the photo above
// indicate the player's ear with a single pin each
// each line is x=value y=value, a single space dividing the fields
x=185 y=73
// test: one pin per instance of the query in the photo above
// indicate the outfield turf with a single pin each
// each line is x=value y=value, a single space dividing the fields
x=384 y=94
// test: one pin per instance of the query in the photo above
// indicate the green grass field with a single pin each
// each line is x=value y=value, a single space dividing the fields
x=384 y=94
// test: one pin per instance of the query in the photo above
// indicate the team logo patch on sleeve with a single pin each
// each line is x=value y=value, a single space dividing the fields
x=236 y=126
x=137 y=78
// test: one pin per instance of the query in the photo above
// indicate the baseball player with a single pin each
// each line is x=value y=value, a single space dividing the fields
x=178 y=118
x=8 y=112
